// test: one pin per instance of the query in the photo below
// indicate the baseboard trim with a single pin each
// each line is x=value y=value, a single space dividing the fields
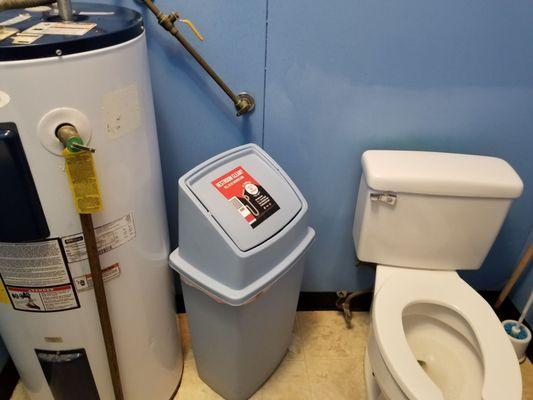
x=308 y=301
x=9 y=378
x=325 y=301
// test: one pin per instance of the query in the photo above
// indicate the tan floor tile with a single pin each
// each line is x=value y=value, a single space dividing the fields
x=192 y=387
x=20 y=393
x=295 y=350
x=257 y=396
x=326 y=336
x=290 y=381
x=198 y=391
x=324 y=361
x=527 y=380
x=335 y=379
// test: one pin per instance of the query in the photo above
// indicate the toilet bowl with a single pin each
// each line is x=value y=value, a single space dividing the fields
x=421 y=216
x=434 y=337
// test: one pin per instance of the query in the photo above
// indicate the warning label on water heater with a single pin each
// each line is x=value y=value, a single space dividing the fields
x=108 y=237
x=248 y=197
x=85 y=282
x=36 y=277
x=58 y=298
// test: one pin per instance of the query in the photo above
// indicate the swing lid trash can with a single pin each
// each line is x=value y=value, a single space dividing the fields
x=242 y=225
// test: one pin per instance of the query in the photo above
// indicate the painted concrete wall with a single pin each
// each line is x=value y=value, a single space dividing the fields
x=333 y=79
x=524 y=286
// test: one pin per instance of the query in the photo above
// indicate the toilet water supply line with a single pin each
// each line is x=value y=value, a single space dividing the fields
x=344 y=300
x=244 y=102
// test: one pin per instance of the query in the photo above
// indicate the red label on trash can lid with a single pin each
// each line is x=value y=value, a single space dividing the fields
x=249 y=198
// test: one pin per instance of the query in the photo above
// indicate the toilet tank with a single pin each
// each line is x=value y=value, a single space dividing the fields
x=431 y=210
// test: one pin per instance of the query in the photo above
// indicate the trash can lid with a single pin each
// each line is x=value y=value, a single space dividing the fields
x=222 y=293
x=246 y=194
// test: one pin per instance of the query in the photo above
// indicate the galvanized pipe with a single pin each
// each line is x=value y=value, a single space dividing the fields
x=64 y=8
x=11 y=4
x=204 y=65
x=244 y=103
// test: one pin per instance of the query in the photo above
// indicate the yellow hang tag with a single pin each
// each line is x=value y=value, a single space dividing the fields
x=83 y=181
x=4 y=298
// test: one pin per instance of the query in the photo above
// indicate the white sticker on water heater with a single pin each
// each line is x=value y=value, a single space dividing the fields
x=25 y=38
x=122 y=111
x=7 y=32
x=4 y=99
x=108 y=237
x=49 y=299
x=36 y=277
x=34 y=264
x=60 y=28
x=15 y=20
x=85 y=282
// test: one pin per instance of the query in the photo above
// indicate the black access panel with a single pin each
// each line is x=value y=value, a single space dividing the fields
x=21 y=215
x=68 y=374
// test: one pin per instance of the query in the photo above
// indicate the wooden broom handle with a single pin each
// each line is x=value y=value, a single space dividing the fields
x=514 y=277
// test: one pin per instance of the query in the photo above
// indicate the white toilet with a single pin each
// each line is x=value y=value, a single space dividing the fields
x=421 y=216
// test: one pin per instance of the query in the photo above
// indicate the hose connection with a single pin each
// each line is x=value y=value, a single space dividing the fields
x=70 y=138
x=344 y=300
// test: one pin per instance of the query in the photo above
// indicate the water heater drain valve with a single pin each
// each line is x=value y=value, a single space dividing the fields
x=71 y=139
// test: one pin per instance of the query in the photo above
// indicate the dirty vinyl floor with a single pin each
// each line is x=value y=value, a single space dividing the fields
x=324 y=362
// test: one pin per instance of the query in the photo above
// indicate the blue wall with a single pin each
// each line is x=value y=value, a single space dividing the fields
x=334 y=78
x=343 y=77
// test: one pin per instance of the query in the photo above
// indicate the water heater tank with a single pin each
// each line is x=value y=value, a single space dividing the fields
x=91 y=73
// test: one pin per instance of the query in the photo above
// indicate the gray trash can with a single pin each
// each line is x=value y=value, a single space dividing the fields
x=243 y=234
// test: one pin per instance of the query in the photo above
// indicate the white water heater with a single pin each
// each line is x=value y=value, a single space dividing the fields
x=93 y=74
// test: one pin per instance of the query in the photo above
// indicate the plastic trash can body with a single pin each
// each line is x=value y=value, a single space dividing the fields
x=237 y=348
x=241 y=261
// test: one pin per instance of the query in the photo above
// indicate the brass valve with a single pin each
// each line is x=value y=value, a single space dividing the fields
x=71 y=139
x=167 y=22
x=192 y=28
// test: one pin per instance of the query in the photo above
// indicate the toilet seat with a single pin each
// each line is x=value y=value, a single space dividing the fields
x=402 y=288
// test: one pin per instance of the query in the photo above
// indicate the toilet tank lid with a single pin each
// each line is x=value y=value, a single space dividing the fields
x=445 y=174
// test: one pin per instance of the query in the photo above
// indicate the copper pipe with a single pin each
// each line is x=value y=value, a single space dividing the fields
x=65 y=133
x=101 y=302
